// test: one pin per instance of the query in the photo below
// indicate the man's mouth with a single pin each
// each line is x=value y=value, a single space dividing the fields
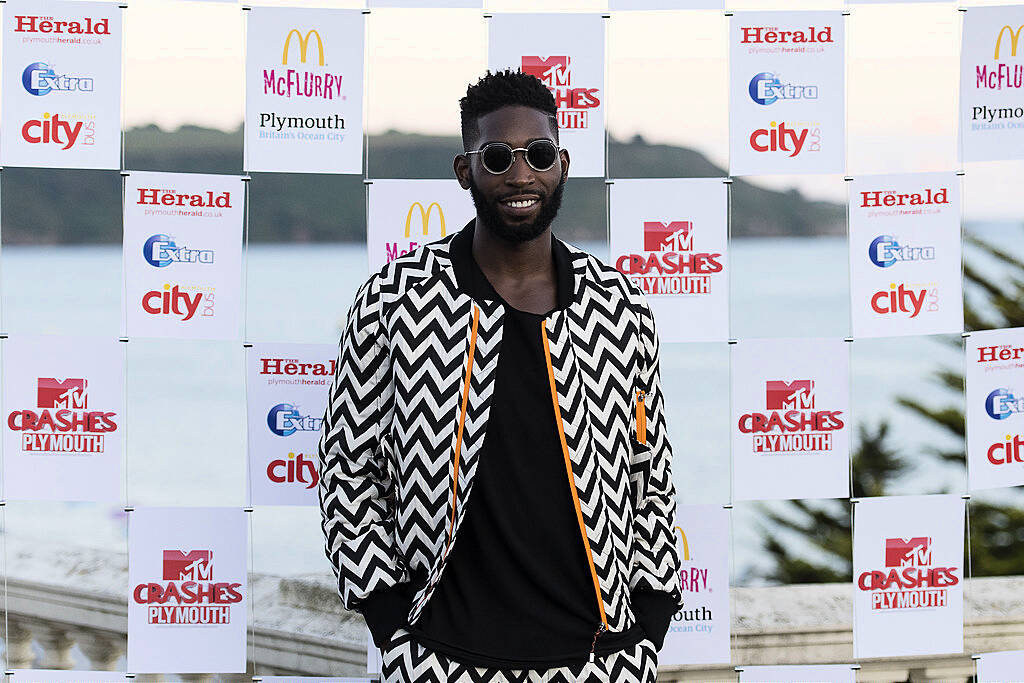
x=521 y=202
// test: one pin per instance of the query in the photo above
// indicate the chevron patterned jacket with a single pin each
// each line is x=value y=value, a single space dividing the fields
x=408 y=410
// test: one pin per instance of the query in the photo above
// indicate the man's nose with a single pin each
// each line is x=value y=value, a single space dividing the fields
x=520 y=174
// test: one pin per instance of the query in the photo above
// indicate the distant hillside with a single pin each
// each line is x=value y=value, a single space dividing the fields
x=42 y=206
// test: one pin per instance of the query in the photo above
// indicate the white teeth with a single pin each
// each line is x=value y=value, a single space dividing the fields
x=522 y=203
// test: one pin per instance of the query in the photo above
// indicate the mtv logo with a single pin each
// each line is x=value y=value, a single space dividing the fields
x=67 y=393
x=196 y=565
x=917 y=552
x=795 y=395
x=553 y=71
x=674 y=236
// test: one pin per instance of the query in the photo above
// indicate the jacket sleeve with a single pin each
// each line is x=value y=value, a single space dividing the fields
x=356 y=491
x=656 y=562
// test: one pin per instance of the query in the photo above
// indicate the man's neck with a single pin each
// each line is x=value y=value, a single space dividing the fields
x=523 y=273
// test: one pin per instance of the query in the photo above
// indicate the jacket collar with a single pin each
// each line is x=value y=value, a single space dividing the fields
x=470 y=278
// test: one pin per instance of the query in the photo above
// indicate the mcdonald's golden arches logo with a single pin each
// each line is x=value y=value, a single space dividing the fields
x=686 y=544
x=424 y=217
x=1014 y=39
x=303 y=45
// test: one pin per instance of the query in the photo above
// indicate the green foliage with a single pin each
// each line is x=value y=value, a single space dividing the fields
x=997 y=529
x=46 y=206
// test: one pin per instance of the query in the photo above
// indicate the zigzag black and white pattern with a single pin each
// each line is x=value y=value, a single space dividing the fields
x=388 y=448
x=406 y=661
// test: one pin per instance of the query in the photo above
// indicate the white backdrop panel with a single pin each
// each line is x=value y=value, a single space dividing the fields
x=992 y=83
x=699 y=632
x=786 y=93
x=995 y=408
x=566 y=51
x=287 y=394
x=1001 y=667
x=820 y=673
x=624 y=5
x=406 y=214
x=61 y=84
x=791 y=417
x=183 y=255
x=64 y=399
x=908 y=576
x=189 y=592
x=905 y=273
x=304 y=90
x=52 y=676
x=670 y=237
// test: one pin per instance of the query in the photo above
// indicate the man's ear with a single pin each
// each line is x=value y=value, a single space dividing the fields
x=564 y=156
x=462 y=171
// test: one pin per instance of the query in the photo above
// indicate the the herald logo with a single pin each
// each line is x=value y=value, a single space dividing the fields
x=795 y=395
x=553 y=71
x=916 y=552
x=196 y=565
x=67 y=393
x=673 y=236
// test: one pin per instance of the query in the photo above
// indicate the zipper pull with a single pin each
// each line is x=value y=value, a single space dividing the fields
x=601 y=628
x=641 y=418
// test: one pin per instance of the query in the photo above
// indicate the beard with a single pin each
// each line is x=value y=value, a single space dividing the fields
x=491 y=216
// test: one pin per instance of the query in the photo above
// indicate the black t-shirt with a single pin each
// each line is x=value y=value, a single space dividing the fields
x=517 y=591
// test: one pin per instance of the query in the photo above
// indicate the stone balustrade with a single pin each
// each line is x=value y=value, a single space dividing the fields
x=67 y=608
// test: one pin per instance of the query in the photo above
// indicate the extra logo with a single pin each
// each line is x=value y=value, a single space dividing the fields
x=317 y=84
x=904 y=299
x=669 y=263
x=285 y=419
x=909 y=580
x=1003 y=403
x=40 y=79
x=573 y=102
x=296 y=468
x=66 y=132
x=61 y=421
x=187 y=585
x=694 y=581
x=767 y=88
x=394 y=250
x=791 y=423
x=778 y=137
x=886 y=251
x=161 y=251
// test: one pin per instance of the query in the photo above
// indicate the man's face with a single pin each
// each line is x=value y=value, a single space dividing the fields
x=519 y=204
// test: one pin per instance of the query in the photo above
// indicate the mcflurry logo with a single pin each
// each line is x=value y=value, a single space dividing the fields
x=1001 y=75
x=284 y=419
x=1002 y=403
x=61 y=421
x=175 y=300
x=392 y=248
x=885 y=250
x=694 y=582
x=665 y=267
x=790 y=410
x=766 y=88
x=908 y=580
x=161 y=251
x=40 y=79
x=295 y=83
x=296 y=469
x=188 y=585
x=573 y=103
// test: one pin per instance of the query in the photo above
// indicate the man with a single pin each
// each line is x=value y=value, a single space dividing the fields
x=495 y=475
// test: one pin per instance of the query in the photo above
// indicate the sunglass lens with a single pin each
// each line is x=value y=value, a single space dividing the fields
x=497 y=158
x=541 y=155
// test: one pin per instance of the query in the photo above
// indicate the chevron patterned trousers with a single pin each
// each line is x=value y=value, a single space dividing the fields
x=406 y=661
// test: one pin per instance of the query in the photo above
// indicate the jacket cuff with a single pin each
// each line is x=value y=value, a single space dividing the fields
x=385 y=611
x=653 y=611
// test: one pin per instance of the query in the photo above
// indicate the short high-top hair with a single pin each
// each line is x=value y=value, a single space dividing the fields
x=502 y=89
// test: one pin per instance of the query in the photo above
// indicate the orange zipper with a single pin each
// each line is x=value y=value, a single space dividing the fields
x=462 y=422
x=603 y=626
x=641 y=418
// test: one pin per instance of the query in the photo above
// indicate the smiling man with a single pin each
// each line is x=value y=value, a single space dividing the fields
x=495 y=475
